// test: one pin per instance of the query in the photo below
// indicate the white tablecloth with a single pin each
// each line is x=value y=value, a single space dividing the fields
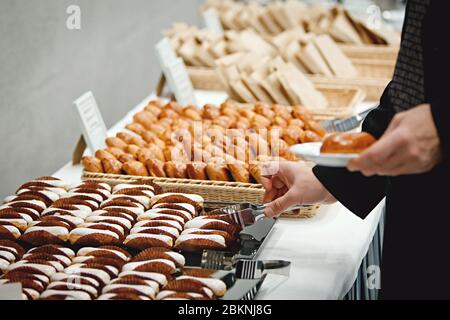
x=325 y=251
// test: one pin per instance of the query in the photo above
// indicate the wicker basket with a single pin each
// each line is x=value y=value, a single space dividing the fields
x=374 y=69
x=373 y=88
x=371 y=52
x=215 y=193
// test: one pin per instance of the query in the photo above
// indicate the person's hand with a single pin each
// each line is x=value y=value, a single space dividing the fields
x=292 y=184
x=410 y=145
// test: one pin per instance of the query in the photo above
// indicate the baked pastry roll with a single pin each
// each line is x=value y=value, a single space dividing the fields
x=156 y=168
x=174 y=295
x=115 y=142
x=347 y=142
x=315 y=127
x=61 y=286
x=160 y=223
x=212 y=223
x=126 y=157
x=91 y=164
x=189 y=285
x=175 y=197
x=187 y=207
x=10 y=217
x=217 y=286
x=141 y=241
x=163 y=266
x=46 y=232
x=160 y=253
x=94 y=271
x=105 y=252
x=197 y=242
x=131 y=139
x=56 y=250
x=112 y=166
x=239 y=172
x=164 y=230
x=122 y=296
x=104 y=154
x=135 y=168
x=93 y=237
x=65 y=295
x=197 y=171
x=218 y=171
x=175 y=170
x=138 y=289
x=228 y=238
x=145 y=118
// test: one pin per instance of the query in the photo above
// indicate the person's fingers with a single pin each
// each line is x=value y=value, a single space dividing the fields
x=279 y=205
x=378 y=155
x=266 y=183
x=277 y=183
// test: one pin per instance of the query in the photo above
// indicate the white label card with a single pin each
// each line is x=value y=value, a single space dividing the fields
x=11 y=291
x=175 y=72
x=92 y=124
x=212 y=21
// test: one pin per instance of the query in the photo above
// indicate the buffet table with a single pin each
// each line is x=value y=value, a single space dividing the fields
x=326 y=251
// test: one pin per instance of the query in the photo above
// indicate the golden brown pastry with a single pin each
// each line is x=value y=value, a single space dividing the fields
x=292 y=135
x=197 y=171
x=255 y=171
x=210 y=112
x=103 y=154
x=280 y=121
x=192 y=112
x=239 y=171
x=310 y=136
x=156 y=168
x=282 y=111
x=175 y=170
x=152 y=138
x=116 y=143
x=317 y=128
x=264 y=110
x=296 y=123
x=347 y=142
x=136 y=128
x=302 y=113
x=218 y=171
x=92 y=164
x=116 y=152
x=112 y=166
x=131 y=139
x=135 y=168
x=145 y=118
x=133 y=150
x=125 y=157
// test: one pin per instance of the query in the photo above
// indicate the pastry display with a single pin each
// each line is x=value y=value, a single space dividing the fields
x=162 y=224
x=223 y=143
x=347 y=142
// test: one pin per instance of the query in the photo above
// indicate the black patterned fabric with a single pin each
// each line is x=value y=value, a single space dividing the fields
x=407 y=88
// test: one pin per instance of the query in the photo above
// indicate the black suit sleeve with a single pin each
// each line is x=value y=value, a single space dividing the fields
x=357 y=193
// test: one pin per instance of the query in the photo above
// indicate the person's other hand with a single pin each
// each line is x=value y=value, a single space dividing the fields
x=410 y=145
x=291 y=184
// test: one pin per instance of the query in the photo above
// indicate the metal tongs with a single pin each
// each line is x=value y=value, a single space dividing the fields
x=246 y=214
x=244 y=269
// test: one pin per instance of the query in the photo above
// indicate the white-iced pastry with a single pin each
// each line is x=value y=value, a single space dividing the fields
x=88 y=250
x=175 y=224
x=152 y=215
x=157 y=277
x=145 y=290
x=70 y=294
x=173 y=231
x=94 y=218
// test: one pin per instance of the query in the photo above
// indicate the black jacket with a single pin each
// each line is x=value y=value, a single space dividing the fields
x=416 y=252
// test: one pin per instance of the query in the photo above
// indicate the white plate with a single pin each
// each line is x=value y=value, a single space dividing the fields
x=311 y=152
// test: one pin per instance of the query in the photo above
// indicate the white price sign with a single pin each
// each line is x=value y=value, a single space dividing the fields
x=175 y=73
x=212 y=21
x=92 y=124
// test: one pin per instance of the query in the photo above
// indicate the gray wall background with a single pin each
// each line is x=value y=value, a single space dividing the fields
x=44 y=67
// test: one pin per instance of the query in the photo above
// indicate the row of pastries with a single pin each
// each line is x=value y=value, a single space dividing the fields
x=95 y=241
x=222 y=143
